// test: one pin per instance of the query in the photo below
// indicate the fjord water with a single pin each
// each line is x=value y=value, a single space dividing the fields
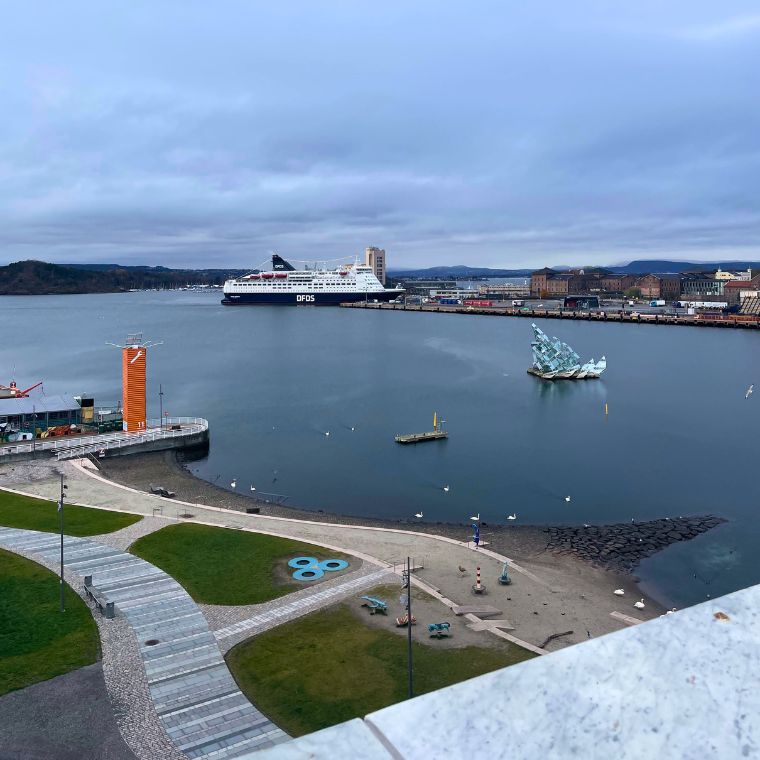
x=680 y=437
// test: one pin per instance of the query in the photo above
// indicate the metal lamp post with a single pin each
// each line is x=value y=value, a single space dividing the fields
x=161 y=405
x=60 y=513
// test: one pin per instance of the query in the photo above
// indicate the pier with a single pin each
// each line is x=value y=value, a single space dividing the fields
x=174 y=433
x=744 y=322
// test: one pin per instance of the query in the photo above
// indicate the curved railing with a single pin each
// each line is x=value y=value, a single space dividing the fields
x=69 y=448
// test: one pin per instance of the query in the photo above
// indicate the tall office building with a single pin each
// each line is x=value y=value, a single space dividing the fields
x=375 y=258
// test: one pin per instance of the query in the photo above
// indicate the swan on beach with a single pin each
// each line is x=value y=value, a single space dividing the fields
x=475 y=518
x=671 y=611
x=639 y=605
x=234 y=483
x=619 y=592
x=512 y=517
x=418 y=515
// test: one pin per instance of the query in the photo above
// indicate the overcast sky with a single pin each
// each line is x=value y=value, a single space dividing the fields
x=197 y=133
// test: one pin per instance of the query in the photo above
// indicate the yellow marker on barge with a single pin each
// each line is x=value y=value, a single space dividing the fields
x=433 y=435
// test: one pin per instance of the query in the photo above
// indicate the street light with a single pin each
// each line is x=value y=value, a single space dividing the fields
x=161 y=405
x=60 y=513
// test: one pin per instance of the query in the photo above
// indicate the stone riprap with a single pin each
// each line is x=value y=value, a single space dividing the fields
x=622 y=546
x=198 y=703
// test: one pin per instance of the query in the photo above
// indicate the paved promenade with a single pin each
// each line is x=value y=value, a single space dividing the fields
x=543 y=599
x=198 y=704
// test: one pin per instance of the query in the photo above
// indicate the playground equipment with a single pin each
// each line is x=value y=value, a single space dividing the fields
x=375 y=605
x=311 y=569
x=403 y=621
x=504 y=578
x=439 y=630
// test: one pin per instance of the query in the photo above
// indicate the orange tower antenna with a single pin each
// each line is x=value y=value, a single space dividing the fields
x=134 y=364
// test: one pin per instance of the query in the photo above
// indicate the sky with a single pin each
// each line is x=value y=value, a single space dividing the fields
x=208 y=134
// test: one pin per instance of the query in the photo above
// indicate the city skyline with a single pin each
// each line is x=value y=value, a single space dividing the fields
x=192 y=136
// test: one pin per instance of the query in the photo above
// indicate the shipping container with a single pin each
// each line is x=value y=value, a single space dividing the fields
x=448 y=301
x=478 y=303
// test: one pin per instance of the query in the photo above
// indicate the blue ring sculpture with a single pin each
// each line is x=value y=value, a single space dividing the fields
x=311 y=569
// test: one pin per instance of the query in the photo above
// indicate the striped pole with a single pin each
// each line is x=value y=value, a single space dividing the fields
x=477 y=578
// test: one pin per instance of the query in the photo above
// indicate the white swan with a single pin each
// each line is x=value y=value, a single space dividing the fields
x=567 y=498
x=619 y=592
x=234 y=483
x=639 y=605
x=253 y=487
x=475 y=518
x=327 y=433
x=446 y=488
x=418 y=515
x=512 y=517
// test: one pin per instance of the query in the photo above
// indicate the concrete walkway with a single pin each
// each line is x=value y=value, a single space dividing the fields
x=197 y=701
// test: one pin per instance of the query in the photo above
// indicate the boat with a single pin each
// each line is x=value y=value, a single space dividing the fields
x=555 y=360
x=286 y=285
x=436 y=434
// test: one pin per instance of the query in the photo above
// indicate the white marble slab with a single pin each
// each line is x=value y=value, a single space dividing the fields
x=682 y=686
x=347 y=741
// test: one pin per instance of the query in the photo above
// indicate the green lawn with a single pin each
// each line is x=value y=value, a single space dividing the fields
x=38 y=514
x=37 y=641
x=223 y=566
x=329 y=667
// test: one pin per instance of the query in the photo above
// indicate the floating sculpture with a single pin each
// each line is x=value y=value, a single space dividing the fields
x=555 y=360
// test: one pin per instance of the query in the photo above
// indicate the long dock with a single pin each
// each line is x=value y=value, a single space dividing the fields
x=432 y=435
x=744 y=322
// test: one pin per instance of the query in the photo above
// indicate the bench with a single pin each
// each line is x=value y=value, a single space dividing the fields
x=375 y=605
x=161 y=491
x=106 y=608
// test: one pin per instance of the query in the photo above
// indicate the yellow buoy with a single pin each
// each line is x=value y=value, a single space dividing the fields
x=606 y=408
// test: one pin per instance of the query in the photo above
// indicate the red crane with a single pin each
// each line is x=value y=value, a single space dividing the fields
x=12 y=391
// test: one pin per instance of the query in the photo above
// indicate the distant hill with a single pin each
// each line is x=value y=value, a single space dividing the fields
x=42 y=278
x=655 y=265
x=459 y=272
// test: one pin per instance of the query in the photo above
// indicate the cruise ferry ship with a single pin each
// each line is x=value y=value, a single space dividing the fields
x=285 y=284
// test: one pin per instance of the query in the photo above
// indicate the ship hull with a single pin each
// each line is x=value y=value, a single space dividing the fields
x=306 y=299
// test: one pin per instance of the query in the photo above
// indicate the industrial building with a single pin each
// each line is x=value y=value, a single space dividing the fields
x=23 y=418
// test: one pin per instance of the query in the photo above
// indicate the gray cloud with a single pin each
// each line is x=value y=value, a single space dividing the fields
x=207 y=134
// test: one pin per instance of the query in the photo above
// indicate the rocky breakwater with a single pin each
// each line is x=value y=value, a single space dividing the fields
x=622 y=546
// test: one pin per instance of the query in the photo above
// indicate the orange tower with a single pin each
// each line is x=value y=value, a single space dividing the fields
x=133 y=366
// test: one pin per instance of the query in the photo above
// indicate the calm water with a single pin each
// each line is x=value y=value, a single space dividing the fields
x=680 y=437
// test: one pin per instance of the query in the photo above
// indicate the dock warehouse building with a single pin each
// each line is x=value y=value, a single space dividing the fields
x=39 y=412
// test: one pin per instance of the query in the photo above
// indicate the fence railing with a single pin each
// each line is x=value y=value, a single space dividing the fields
x=68 y=448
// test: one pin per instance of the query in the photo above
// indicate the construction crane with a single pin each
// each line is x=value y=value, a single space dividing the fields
x=12 y=391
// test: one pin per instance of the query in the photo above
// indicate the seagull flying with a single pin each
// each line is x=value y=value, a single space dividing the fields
x=512 y=517
x=749 y=391
x=639 y=605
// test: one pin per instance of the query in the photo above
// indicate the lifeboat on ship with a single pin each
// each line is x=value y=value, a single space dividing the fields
x=253 y=277
x=267 y=275
x=343 y=272
x=281 y=275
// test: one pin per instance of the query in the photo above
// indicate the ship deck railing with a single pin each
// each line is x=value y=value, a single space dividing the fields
x=78 y=446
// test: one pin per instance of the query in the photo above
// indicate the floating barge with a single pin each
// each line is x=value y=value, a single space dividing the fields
x=432 y=435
